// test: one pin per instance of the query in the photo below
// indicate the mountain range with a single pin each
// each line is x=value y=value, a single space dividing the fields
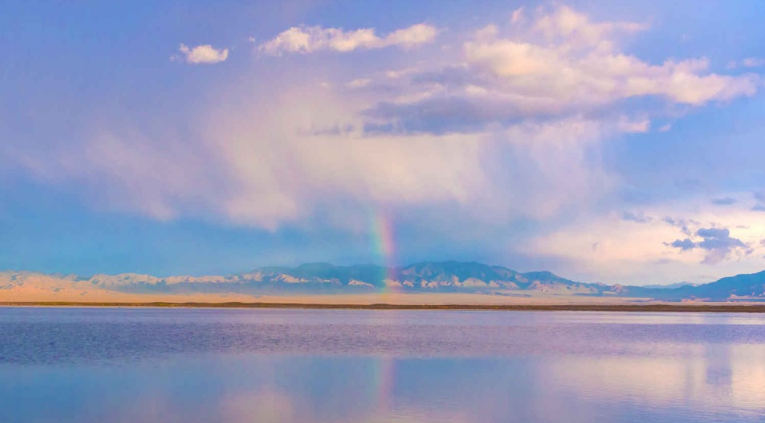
x=424 y=277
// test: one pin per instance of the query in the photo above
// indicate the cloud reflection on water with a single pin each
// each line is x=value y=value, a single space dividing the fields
x=713 y=383
x=354 y=367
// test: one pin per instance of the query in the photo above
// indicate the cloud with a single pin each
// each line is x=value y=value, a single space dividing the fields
x=202 y=55
x=682 y=224
x=636 y=251
x=685 y=244
x=508 y=129
x=753 y=62
x=556 y=63
x=627 y=249
x=749 y=62
x=591 y=71
x=759 y=196
x=520 y=139
x=414 y=35
x=305 y=39
x=301 y=158
x=575 y=29
x=717 y=243
x=359 y=83
x=636 y=217
x=267 y=164
x=518 y=15
x=267 y=406
x=726 y=201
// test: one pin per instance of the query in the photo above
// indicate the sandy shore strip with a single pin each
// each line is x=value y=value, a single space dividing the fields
x=651 y=307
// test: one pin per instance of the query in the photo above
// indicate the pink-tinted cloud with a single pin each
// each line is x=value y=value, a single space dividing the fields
x=305 y=39
x=202 y=55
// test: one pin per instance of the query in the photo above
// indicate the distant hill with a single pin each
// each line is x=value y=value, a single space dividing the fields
x=423 y=277
x=735 y=287
x=672 y=285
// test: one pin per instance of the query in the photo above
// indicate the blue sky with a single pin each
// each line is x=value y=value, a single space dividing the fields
x=605 y=141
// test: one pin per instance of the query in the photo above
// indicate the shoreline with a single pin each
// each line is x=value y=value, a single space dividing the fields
x=696 y=307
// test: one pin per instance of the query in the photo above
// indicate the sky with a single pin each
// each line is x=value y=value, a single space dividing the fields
x=617 y=142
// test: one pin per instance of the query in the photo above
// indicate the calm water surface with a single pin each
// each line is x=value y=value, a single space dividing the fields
x=311 y=366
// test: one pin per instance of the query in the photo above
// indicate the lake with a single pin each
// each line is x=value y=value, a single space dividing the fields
x=311 y=366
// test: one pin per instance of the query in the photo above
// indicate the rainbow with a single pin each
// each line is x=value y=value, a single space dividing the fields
x=384 y=367
x=383 y=243
x=384 y=375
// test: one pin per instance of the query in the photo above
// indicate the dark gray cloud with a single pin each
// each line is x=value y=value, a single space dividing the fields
x=727 y=201
x=760 y=197
x=685 y=244
x=454 y=76
x=451 y=110
x=440 y=115
x=719 y=240
x=713 y=233
x=682 y=224
x=467 y=99
x=330 y=130
x=717 y=243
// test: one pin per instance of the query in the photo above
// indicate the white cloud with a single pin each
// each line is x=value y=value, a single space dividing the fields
x=518 y=15
x=753 y=62
x=414 y=35
x=573 y=29
x=312 y=39
x=530 y=102
x=282 y=162
x=564 y=56
x=552 y=63
x=359 y=83
x=265 y=164
x=667 y=244
x=283 y=166
x=749 y=62
x=508 y=127
x=398 y=73
x=203 y=54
